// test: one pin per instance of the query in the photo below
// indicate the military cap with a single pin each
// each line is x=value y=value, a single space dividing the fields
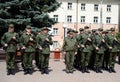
x=100 y=29
x=81 y=29
x=94 y=30
x=112 y=29
x=28 y=27
x=86 y=27
x=76 y=31
x=106 y=31
x=44 y=28
x=11 y=26
x=70 y=32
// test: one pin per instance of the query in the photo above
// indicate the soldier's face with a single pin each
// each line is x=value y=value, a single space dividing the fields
x=28 y=30
x=45 y=31
x=11 y=29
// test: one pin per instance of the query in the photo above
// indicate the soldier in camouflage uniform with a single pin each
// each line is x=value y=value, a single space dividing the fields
x=28 y=49
x=9 y=42
x=85 y=48
x=112 y=42
x=69 y=49
x=100 y=44
x=78 y=55
x=44 y=40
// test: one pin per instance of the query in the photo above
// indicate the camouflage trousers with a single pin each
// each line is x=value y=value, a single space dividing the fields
x=10 y=60
x=69 y=58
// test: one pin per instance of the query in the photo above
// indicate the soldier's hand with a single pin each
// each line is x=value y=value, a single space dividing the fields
x=115 y=39
x=82 y=46
x=64 y=52
x=14 y=37
x=103 y=40
x=47 y=39
x=23 y=47
x=75 y=53
x=6 y=45
x=40 y=48
x=78 y=46
x=89 y=39
x=31 y=39
x=97 y=48
x=110 y=47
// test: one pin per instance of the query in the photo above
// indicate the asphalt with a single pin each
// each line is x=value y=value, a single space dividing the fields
x=57 y=74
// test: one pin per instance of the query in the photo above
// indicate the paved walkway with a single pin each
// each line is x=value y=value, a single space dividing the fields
x=58 y=75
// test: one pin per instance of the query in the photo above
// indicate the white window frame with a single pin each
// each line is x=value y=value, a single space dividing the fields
x=55 y=18
x=83 y=6
x=69 y=6
x=55 y=31
x=69 y=18
x=96 y=7
x=108 y=8
x=108 y=20
x=95 y=20
x=82 y=19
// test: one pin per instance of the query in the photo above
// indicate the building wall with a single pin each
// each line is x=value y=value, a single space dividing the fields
x=89 y=13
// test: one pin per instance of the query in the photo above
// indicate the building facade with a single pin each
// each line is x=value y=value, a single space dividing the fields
x=76 y=14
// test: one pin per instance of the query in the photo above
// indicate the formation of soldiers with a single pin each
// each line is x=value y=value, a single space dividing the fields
x=27 y=43
x=96 y=49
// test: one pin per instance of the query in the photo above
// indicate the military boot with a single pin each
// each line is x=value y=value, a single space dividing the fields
x=83 y=70
x=86 y=70
x=26 y=71
x=113 y=70
x=96 y=70
x=99 y=70
x=8 y=71
x=12 y=72
x=46 y=71
x=110 y=70
x=42 y=71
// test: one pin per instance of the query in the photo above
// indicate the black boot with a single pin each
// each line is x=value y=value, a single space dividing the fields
x=113 y=70
x=96 y=70
x=46 y=71
x=110 y=70
x=30 y=71
x=8 y=71
x=26 y=71
x=42 y=71
x=83 y=70
x=99 y=70
x=12 y=72
x=86 y=70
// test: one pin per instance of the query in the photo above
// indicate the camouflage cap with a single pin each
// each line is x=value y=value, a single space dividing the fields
x=81 y=29
x=44 y=28
x=11 y=26
x=28 y=27
x=100 y=29
x=86 y=27
x=112 y=29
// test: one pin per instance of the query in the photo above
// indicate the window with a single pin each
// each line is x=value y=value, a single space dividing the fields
x=55 y=18
x=108 y=8
x=69 y=18
x=55 y=44
x=95 y=7
x=69 y=6
x=82 y=19
x=55 y=31
x=83 y=7
x=108 y=20
x=95 y=20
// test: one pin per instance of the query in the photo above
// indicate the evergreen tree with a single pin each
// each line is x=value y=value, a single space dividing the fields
x=24 y=12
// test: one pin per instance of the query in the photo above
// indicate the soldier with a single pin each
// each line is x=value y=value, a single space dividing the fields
x=85 y=48
x=78 y=55
x=9 y=42
x=44 y=41
x=99 y=43
x=69 y=49
x=92 y=58
x=112 y=42
x=28 y=48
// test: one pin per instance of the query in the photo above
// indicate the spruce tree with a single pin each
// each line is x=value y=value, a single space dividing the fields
x=24 y=12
